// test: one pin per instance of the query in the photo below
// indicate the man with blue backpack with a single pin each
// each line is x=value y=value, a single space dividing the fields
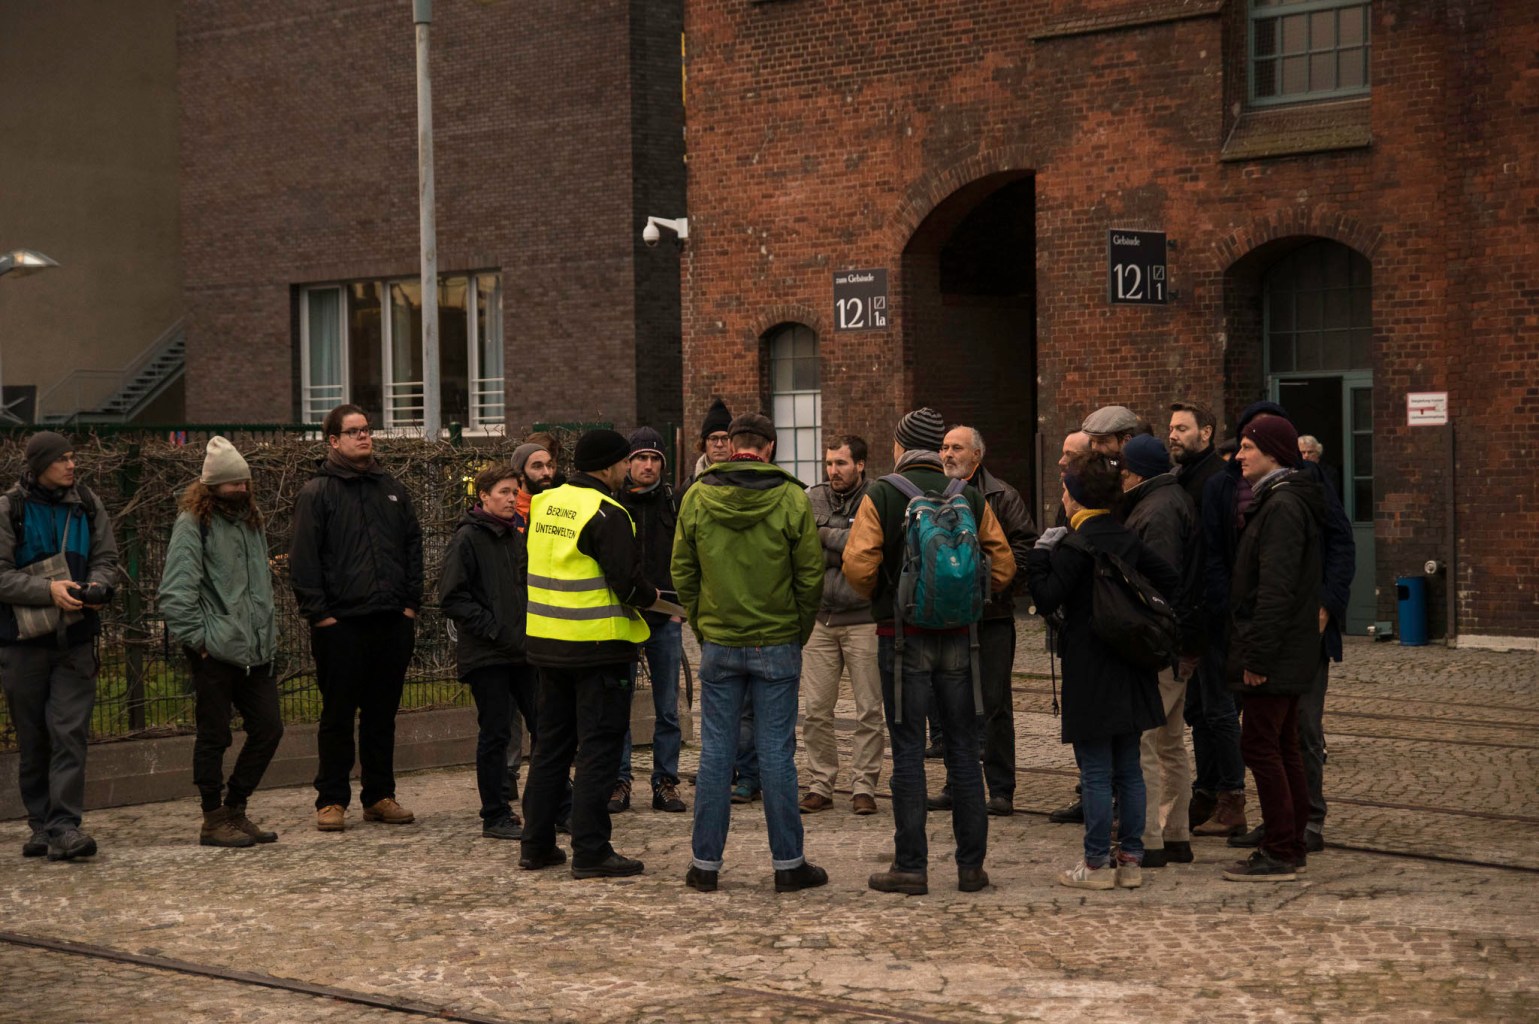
x=929 y=552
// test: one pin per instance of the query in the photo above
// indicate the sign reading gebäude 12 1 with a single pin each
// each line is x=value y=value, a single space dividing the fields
x=860 y=300
x=1135 y=265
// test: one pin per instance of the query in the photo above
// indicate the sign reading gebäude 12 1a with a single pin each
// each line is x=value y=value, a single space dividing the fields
x=860 y=300
x=1135 y=265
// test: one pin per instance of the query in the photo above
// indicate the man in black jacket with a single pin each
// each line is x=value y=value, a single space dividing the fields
x=650 y=501
x=482 y=591
x=1158 y=512
x=962 y=456
x=1210 y=707
x=1227 y=494
x=1274 y=647
x=356 y=569
x=586 y=590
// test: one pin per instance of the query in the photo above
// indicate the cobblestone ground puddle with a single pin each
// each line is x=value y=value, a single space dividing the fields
x=1424 y=908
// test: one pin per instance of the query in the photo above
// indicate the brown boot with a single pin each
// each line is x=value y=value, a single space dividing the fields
x=219 y=830
x=1228 y=817
x=256 y=832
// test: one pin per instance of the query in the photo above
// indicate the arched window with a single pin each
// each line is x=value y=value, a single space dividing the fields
x=796 y=400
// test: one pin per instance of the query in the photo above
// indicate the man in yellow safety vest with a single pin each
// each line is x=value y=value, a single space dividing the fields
x=584 y=630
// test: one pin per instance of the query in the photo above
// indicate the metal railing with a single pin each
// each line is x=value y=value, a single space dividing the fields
x=85 y=390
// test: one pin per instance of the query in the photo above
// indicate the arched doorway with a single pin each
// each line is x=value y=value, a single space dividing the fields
x=970 y=313
x=1317 y=331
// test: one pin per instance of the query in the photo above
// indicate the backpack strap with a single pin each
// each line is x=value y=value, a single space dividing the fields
x=954 y=488
x=904 y=485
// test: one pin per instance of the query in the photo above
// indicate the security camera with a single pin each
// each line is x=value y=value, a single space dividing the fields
x=651 y=234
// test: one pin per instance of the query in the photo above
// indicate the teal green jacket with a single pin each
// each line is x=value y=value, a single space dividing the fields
x=216 y=593
x=747 y=562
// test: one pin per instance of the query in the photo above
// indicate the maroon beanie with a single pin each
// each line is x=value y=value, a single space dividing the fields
x=1276 y=437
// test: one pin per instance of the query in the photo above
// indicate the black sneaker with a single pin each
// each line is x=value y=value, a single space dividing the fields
x=70 y=845
x=1261 y=868
x=1073 y=814
x=934 y=752
x=803 y=876
x=1314 y=842
x=1249 y=840
x=37 y=846
x=700 y=879
x=503 y=828
x=1178 y=852
x=612 y=866
x=534 y=860
x=939 y=803
x=665 y=797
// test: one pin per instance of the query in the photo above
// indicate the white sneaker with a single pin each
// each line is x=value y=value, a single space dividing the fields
x=1083 y=876
x=1129 y=875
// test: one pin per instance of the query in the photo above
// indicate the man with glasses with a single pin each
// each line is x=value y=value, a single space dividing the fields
x=356 y=569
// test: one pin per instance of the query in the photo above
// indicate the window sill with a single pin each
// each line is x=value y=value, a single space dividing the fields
x=1300 y=129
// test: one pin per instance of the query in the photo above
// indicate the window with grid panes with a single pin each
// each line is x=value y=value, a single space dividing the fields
x=796 y=399
x=1318 y=310
x=1307 y=50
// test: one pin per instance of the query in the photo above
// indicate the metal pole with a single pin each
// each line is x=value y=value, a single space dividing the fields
x=432 y=414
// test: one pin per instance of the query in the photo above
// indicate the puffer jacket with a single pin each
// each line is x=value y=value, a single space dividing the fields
x=216 y=592
x=1275 y=588
x=484 y=592
x=746 y=557
x=357 y=547
x=834 y=512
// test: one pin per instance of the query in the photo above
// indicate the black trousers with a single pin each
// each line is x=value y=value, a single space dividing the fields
x=497 y=690
x=996 y=729
x=219 y=687
x=360 y=667
x=583 y=714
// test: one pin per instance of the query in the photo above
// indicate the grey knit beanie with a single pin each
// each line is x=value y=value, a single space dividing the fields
x=921 y=430
x=222 y=464
x=44 y=448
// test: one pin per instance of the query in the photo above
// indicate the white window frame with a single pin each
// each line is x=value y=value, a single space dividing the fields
x=808 y=470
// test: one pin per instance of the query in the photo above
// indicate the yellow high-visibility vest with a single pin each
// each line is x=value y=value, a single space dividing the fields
x=568 y=596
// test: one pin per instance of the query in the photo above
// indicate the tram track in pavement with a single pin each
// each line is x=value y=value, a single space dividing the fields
x=407 y=1007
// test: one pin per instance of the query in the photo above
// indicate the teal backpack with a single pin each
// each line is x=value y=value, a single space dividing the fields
x=944 y=579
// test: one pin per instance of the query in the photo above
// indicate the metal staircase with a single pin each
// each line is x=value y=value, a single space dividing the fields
x=116 y=396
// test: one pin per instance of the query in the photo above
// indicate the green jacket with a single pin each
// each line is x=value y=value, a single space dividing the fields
x=216 y=593
x=747 y=562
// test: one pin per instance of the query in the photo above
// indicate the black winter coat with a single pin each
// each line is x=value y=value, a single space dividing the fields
x=1161 y=515
x=484 y=592
x=656 y=514
x=1274 y=594
x=357 y=547
x=1194 y=476
x=1102 y=694
x=1020 y=532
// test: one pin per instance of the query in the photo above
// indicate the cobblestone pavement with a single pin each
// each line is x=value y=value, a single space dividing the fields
x=1432 y=756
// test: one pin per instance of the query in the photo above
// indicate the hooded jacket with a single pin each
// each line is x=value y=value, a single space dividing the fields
x=216 y=591
x=834 y=512
x=357 y=547
x=746 y=558
x=483 y=591
x=1274 y=593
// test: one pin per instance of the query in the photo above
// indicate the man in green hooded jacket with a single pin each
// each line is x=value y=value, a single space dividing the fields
x=748 y=567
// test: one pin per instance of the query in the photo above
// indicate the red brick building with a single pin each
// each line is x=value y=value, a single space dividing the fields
x=1349 y=190
x=559 y=129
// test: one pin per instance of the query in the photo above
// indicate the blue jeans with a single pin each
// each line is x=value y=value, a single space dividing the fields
x=1107 y=763
x=664 y=652
x=745 y=766
x=936 y=674
x=773 y=676
x=1215 y=722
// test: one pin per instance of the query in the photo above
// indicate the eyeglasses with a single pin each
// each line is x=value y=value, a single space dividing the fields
x=717 y=439
x=358 y=432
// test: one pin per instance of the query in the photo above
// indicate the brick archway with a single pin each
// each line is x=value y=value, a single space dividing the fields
x=1243 y=244
x=937 y=186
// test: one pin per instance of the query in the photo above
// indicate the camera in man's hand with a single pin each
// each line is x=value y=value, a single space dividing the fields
x=94 y=593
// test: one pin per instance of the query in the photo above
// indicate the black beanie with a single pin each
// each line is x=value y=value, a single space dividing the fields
x=44 y=448
x=600 y=449
x=717 y=417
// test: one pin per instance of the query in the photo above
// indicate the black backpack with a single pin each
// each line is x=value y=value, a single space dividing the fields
x=1128 y=614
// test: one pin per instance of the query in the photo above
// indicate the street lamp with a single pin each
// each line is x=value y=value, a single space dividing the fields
x=20 y=262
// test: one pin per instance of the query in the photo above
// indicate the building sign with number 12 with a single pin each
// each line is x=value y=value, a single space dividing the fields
x=860 y=300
